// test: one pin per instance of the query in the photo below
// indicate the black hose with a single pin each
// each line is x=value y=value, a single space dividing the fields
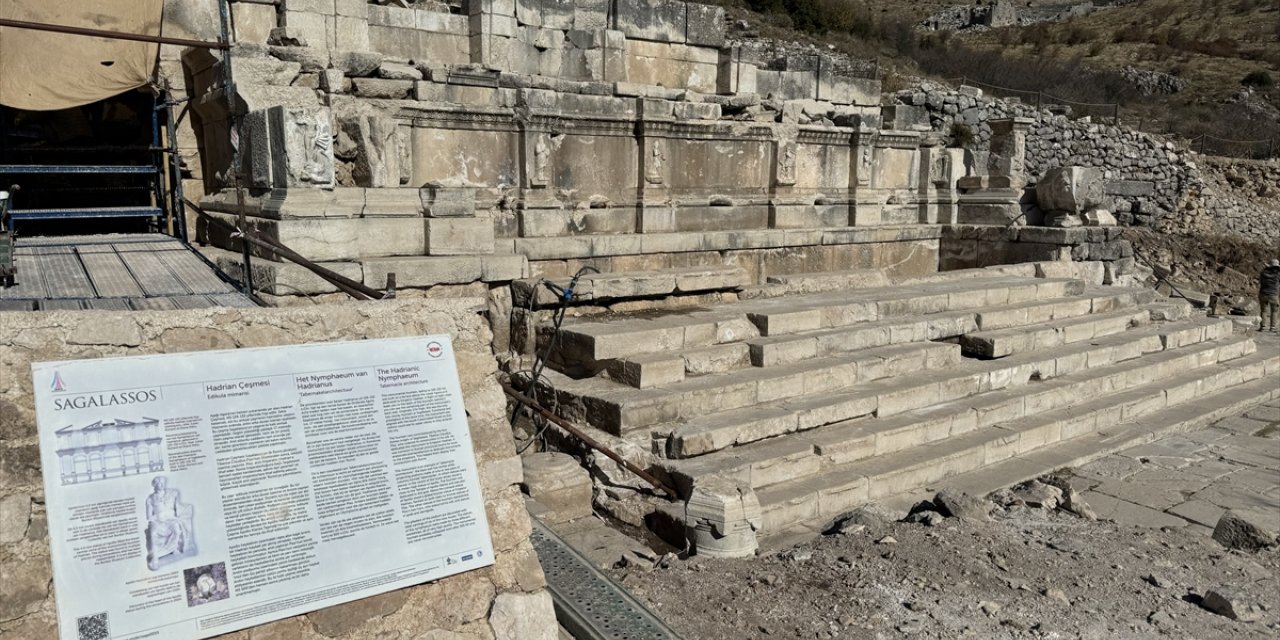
x=564 y=297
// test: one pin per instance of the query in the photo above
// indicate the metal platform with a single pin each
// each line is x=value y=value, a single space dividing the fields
x=45 y=169
x=82 y=212
x=588 y=604
x=126 y=271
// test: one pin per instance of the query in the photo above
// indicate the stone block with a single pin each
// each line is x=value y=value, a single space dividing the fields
x=656 y=20
x=1099 y=218
x=590 y=15
x=1070 y=189
x=457 y=94
x=392 y=202
x=307 y=28
x=558 y=483
x=301 y=147
x=722 y=517
x=350 y=34
x=704 y=25
x=557 y=14
x=253 y=22
x=448 y=202
x=648 y=371
x=459 y=236
x=379 y=89
x=1129 y=188
x=696 y=111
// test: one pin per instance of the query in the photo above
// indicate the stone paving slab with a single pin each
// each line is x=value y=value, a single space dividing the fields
x=1189 y=480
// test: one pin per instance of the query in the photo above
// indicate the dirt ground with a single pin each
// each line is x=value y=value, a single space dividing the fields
x=1029 y=573
x=1209 y=264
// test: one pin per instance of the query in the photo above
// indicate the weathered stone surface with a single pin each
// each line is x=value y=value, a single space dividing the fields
x=15 y=515
x=343 y=619
x=1070 y=189
x=24 y=585
x=120 y=332
x=722 y=517
x=559 y=484
x=961 y=505
x=1038 y=494
x=1232 y=603
x=1246 y=530
x=523 y=616
x=1099 y=218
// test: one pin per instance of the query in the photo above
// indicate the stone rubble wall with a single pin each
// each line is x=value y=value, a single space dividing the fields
x=506 y=601
x=1150 y=181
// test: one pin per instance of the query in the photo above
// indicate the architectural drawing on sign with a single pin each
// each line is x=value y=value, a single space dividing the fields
x=105 y=450
x=170 y=525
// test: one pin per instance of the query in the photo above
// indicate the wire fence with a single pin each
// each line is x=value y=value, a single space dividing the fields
x=1257 y=149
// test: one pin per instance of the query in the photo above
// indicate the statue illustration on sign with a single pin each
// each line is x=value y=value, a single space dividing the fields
x=170 y=525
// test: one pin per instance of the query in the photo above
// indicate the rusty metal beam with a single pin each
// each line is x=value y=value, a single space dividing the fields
x=586 y=439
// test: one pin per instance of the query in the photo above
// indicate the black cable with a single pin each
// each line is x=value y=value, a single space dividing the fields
x=564 y=297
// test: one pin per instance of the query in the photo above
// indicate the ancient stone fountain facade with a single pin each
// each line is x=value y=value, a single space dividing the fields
x=502 y=139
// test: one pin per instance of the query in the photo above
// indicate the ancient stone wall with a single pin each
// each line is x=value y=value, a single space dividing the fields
x=493 y=140
x=505 y=601
x=1150 y=180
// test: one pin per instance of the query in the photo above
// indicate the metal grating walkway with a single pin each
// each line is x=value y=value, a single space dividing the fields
x=121 y=272
x=588 y=604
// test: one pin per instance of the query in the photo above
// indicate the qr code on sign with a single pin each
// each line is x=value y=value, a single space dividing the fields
x=93 y=627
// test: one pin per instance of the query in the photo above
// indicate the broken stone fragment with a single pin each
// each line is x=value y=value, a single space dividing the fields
x=1244 y=530
x=721 y=519
x=1038 y=494
x=956 y=504
x=1232 y=603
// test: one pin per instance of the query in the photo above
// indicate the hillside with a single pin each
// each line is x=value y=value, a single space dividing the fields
x=1189 y=67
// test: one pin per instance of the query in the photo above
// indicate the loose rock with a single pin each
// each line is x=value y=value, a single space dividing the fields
x=961 y=505
x=1243 y=530
x=1231 y=603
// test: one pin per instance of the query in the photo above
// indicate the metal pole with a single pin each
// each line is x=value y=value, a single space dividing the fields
x=114 y=35
x=175 y=164
x=233 y=112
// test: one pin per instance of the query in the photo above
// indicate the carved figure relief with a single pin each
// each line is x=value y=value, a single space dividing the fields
x=655 y=169
x=787 y=164
x=864 y=164
x=940 y=170
x=541 y=173
x=319 y=154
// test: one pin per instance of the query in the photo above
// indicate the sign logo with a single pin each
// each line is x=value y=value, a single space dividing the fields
x=58 y=384
x=434 y=349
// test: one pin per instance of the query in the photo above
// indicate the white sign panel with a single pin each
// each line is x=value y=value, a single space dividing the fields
x=190 y=495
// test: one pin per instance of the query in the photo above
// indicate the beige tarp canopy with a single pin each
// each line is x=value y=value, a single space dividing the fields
x=43 y=71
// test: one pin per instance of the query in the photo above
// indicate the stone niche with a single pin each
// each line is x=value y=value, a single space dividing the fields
x=507 y=601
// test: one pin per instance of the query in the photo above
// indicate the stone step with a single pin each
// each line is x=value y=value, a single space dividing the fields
x=1003 y=342
x=859 y=438
x=821 y=281
x=840 y=488
x=827 y=311
x=586 y=345
x=630 y=284
x=889 y=395
x=617 y=409
x=772 y=350
x=1076 y=452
